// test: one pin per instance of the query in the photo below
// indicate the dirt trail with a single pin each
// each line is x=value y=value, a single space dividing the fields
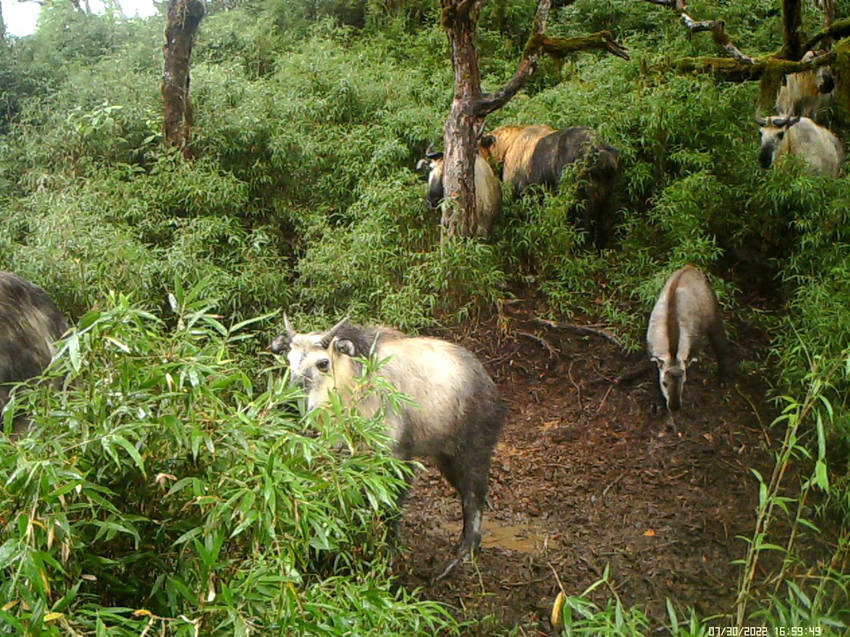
x=587 y=476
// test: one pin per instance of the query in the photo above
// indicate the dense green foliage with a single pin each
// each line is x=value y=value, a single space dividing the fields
x=164 y=489
x=309 y=118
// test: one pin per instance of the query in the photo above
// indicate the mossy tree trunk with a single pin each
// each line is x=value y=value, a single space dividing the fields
x=182 y=21
x=470 y=106
x=460 y=217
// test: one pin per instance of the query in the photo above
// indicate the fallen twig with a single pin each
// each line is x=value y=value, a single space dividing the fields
x=552 y=351
x=582 y=330
x=604 y=398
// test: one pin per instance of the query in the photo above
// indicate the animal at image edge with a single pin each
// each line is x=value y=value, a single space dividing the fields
x=532 y=155
x=782 y=135
x=686 y=311
x=458 y=411
x=488 y=191
x=808 y=93
x=30 y=323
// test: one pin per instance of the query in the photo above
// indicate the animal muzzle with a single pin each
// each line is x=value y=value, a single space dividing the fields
x=673 y=402
x=302 y=382
x=766 y=157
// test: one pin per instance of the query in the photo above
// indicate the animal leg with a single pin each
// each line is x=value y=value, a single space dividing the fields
x=720 y=345
x=394 y=518
x=471 y=485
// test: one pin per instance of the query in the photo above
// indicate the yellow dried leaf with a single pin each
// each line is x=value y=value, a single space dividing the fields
x=139 y=612
x=556 y=610
x=649 y=533
x=45 y=582
x=9 y=605
x=52 y=616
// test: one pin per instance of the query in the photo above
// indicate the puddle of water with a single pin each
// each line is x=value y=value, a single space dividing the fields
x=523 y=538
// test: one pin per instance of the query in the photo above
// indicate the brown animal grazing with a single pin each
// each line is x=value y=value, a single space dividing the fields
x=538 y=154
x=457 y=413
x=30 y=323
x=488 y=192
x=686 y=311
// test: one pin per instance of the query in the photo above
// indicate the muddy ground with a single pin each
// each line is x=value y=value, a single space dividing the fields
x=586 y=475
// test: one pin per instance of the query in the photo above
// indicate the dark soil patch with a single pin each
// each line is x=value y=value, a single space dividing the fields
x=586 y=475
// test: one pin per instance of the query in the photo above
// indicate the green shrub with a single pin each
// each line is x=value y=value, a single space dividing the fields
x=164 y=488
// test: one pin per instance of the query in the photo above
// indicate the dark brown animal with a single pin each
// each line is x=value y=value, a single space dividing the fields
x=30 y=323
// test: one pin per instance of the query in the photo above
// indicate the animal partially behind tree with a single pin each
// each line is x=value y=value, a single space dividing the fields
x=538 y=155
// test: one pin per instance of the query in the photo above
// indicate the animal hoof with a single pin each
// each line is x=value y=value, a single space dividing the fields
x=446 y=571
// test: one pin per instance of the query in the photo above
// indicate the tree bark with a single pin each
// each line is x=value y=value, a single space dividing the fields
x=460 y=218
x=470 y=106
x=792 y=34
x=183 y=19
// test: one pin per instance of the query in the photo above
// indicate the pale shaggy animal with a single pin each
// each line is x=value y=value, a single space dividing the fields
x=800 y=136
x=807 y=94
x=30 y=323
x=538 y=154
x=457 y=413
x=488 y=191
x=685 y=312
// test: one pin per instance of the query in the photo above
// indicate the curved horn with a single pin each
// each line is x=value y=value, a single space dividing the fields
x=432 y=154
x=328 y=336
x=781 y=122
x=790 y=121
x=291 y=332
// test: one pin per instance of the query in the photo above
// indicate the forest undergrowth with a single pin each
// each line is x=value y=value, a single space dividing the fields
x=172 y=487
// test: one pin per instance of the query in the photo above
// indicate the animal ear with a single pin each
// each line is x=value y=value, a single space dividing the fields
x=656 y=360
x=280 y=344
x=290 y=332
x=423 y=164
x=487 y=141
x=344 y=346
x=791 y=121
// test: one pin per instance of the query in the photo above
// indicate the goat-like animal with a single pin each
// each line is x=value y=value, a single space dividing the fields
x=457 y=413
x=686 y=311
x=807 y=94
x=30 y=323
x=488 y=191
x=800 y=136
x=538 y=155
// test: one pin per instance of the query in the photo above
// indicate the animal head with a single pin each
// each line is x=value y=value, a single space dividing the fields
x=433 y=162
x=490 y=146
x=671 y=379
x=319 y=362
x=774 y=137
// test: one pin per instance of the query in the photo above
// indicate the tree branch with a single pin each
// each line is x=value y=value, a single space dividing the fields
x=718 y=34
x=489 y=102
x=557 y=48
x=735 y=70
x=837 y=30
